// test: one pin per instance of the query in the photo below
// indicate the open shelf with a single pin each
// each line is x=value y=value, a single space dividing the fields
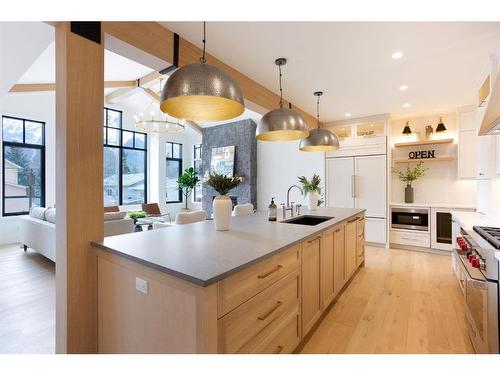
x=438 y=158
x=427 y=142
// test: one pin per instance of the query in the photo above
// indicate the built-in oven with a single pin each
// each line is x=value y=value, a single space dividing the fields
x=410 y=218
x=481 y=298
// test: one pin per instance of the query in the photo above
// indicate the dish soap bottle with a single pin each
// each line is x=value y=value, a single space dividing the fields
x=273 y=211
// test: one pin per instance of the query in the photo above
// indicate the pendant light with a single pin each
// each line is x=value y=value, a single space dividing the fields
x=281 y=124
x=202 y=92
x=319 y=139
x=440 y=128
x=407 y=130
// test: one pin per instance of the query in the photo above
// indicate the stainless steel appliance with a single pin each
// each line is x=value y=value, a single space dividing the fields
x=410 y=218
x=480 y=282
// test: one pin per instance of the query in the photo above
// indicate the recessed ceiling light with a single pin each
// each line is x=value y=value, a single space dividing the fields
x=406 y=105
x=403 y=87
x=347 y=114
x=397 y=55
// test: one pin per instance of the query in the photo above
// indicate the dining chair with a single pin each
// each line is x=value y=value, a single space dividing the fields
x=243 y=209
x=190 y=217
x=153 y=210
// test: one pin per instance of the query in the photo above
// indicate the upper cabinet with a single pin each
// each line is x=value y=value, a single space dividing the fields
x=467 y=143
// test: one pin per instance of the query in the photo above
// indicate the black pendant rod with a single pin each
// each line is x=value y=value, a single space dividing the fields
x=203 y=59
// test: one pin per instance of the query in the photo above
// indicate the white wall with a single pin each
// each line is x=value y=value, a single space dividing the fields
x=278 y=166
x=440 y=183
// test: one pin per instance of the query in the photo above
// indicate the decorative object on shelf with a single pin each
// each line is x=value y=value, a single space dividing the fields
x=311 y=189
x=440 y=128
x=319 y=139
x=201 y=91
x=407 y=130
x=157 y=125
x=428 y=132
x=281 y=124
x=410 y=175
x=424 y=154
x=187 y=182
x=222 y=205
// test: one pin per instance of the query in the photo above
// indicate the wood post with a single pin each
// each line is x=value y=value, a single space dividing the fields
x=79 y=187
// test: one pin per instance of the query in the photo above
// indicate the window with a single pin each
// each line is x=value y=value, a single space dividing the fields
x=173 y=171
x=23 y=165
x=197 y=165
x=125 y=162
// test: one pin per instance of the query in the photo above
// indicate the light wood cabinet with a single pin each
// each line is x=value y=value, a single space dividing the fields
x=339 y=274
x=360 y=241
x=268 y=307
x=311 y=302
x=350 y=246
x=327 y=268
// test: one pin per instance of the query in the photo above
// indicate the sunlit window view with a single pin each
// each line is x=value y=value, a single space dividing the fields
x=23 y=165
x=125 y=155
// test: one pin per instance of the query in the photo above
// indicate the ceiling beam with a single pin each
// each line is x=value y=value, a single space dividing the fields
x=156 y=97
x=41 y=87
x=157 y=41
x=120 y=94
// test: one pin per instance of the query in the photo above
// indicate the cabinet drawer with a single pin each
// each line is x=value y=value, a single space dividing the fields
x=259 y=315
x=283 y=340
x=245 y=284
x=411 y=238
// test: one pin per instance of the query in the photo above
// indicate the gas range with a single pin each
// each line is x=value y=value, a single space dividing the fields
x=490 y=234
x=478 y=258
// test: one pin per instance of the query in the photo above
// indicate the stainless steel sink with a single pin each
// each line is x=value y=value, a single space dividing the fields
x=308 y=220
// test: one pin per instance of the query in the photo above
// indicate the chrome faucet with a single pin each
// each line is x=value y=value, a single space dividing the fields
x=289 y=205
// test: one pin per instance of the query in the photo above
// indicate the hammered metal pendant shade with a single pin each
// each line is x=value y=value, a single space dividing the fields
x=319 y=140
x=201 y=92
x=282 y=124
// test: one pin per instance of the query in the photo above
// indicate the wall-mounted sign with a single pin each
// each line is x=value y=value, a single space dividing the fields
x=426 y=154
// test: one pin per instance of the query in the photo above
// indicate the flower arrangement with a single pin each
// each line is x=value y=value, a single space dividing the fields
x=221 y=183
x=310 y=186
x=411 y=174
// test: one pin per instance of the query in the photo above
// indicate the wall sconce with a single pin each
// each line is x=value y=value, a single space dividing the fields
x=407 y=130
x=440 y=128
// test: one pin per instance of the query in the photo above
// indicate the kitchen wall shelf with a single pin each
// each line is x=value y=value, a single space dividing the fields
x=437 y=158
x=427 y=142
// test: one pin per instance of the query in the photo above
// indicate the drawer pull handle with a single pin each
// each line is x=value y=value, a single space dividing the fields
x=264 y=317
x=279 y=349
x=277 y=268
x=337 y=230
x=311 y=241
x=352 y=220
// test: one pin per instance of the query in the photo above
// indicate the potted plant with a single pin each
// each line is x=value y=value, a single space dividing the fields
x=410 y=175
x=311 y=189
x=187 y=182
x=222 y=205
x=135 y=215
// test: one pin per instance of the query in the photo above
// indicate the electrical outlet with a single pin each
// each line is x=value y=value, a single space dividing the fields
x=141 y=285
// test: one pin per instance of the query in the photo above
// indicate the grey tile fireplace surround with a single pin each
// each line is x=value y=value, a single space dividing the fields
x=240 y=134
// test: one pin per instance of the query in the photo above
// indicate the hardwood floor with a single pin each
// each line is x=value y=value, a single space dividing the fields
x=400 y=302
x=27 y=302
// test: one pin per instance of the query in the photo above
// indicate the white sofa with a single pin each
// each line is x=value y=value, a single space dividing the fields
x=38 y=230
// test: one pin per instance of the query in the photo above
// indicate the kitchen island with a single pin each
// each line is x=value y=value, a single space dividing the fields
x=258 y=288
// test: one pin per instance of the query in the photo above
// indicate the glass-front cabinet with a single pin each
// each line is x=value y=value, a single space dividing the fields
x=357 y=129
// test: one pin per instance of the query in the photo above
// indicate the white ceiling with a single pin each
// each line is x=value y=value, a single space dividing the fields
x=351 y=61
x=116 y=68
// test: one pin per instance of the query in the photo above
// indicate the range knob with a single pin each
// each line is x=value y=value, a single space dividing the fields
x=476 y=263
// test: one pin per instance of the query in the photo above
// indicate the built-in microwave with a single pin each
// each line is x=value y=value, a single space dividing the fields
x=410 y=218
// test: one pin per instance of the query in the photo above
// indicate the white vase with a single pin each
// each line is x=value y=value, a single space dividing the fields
x=313 y=197
x=222 y=209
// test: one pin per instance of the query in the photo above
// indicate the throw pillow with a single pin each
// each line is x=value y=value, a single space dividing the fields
x=38 y=212
x=50 y=215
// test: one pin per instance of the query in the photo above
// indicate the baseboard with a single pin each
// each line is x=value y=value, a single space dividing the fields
x=376 y=244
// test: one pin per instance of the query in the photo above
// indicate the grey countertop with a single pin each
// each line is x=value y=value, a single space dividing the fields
x=199 y=254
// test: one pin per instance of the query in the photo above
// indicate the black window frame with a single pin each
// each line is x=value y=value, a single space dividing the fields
x=23 y=144
x=121 y=149
x=197 y=147
x=172 y=159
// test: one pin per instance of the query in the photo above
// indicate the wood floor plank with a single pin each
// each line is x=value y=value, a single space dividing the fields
x=400 y=302
x=27 y=302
